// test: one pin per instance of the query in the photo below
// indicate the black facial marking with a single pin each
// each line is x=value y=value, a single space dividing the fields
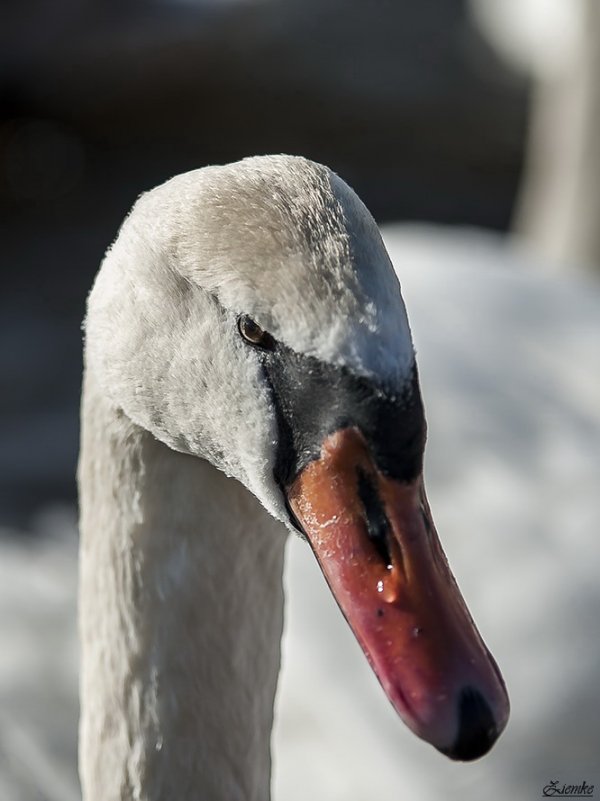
x=292 y=516
x=313 y=399
x=378 y=526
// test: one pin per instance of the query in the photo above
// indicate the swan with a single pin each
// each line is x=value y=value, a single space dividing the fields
x=249 y=372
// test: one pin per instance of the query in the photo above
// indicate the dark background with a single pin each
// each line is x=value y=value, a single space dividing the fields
x=101 y=100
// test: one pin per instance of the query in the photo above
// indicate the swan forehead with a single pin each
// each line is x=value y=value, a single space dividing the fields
x=288 y=242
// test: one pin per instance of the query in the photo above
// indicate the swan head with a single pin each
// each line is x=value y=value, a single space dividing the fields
x=249 y=314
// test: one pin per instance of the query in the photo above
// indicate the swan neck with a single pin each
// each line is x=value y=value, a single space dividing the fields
x=181 y=608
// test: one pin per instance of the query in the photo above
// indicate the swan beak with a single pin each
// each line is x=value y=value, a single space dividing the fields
x=377 y=546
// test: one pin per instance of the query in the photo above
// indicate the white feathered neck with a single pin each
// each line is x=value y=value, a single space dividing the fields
x=180 y=596
x=181 y=615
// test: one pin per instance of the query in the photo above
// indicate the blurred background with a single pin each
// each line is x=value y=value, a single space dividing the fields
x=472 y=132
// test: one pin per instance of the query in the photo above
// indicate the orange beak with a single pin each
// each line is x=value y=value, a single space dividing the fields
x=379 y=551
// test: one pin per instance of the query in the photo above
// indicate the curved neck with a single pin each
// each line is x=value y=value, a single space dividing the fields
x=181 y=608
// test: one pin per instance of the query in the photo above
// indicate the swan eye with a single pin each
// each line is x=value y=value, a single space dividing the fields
x=254 y=334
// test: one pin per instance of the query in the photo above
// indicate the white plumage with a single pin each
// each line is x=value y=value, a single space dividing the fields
x=181 y=568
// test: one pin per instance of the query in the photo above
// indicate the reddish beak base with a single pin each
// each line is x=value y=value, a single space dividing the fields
x=378 y=549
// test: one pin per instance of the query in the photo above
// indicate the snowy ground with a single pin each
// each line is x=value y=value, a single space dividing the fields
x=509 y=361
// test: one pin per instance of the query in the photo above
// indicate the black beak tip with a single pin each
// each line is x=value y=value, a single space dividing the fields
x=477 y=730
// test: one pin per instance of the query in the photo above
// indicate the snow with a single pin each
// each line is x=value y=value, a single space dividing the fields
x=509 y=363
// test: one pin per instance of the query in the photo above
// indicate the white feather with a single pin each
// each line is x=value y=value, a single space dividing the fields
x=181 y=568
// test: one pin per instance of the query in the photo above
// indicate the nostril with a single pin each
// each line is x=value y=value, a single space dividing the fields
x=477 y=730
x=378 y=526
